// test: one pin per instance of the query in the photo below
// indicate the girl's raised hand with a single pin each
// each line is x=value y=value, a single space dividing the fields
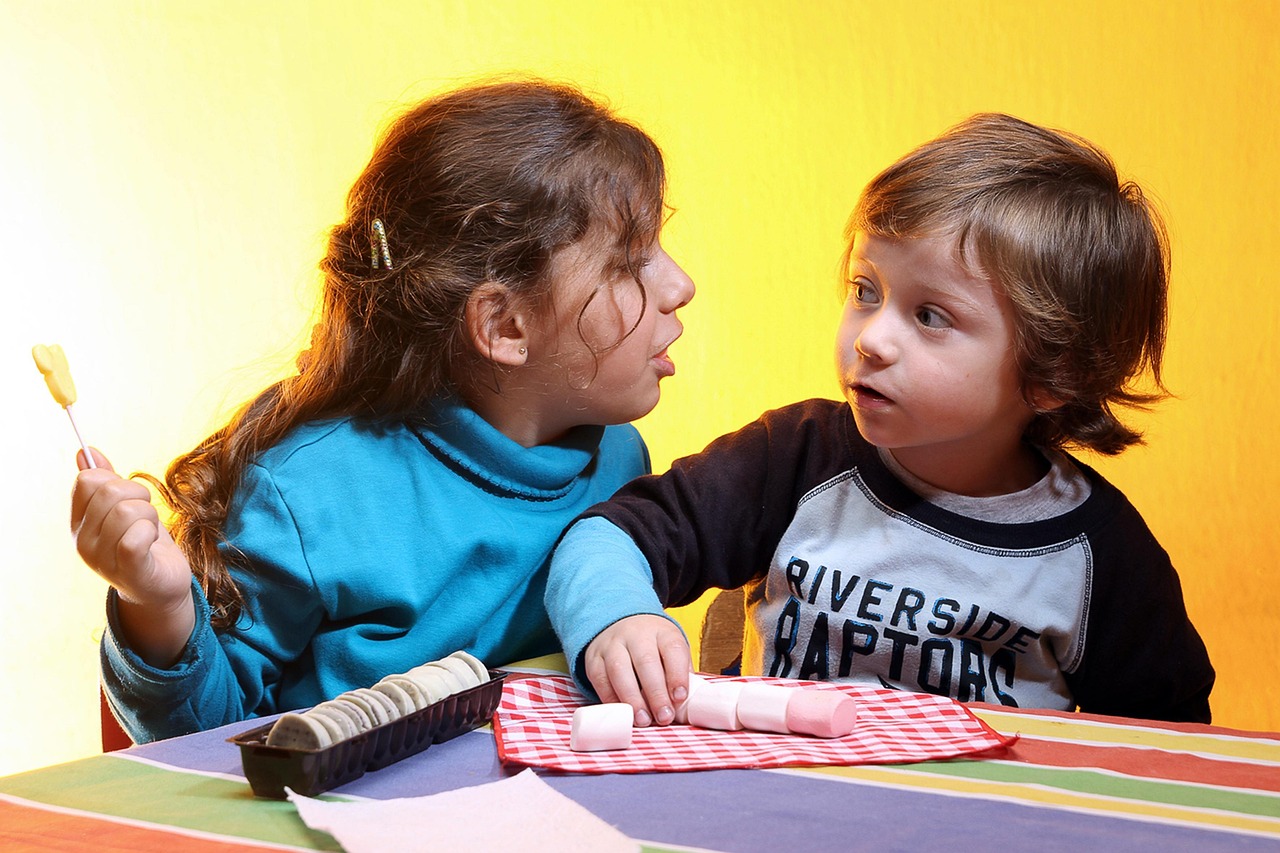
x=119 y=535
x=642 y=660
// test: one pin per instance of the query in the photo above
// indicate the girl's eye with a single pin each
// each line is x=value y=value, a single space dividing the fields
x=932 y=318
x=863 y=293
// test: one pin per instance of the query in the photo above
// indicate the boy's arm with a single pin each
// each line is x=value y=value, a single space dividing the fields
x=712 y=521
x=597 y=577
x=1143 y=656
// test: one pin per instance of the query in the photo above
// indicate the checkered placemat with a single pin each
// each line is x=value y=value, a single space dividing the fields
x=533 y=720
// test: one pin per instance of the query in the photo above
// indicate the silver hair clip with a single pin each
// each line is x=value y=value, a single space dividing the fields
x=378 y=247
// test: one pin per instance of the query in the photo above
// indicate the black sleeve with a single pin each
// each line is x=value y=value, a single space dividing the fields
x=715 y=519
x=1143 y=657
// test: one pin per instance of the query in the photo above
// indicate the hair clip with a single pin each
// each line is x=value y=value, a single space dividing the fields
x=378 y=247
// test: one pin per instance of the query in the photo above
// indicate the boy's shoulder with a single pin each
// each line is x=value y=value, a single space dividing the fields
x=814 y=413
x=814 y=423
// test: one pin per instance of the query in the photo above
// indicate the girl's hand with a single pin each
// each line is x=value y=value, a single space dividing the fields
x=119 y=535
x=644 y=661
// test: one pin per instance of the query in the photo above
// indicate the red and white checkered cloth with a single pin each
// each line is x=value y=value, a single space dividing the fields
x=533 y=720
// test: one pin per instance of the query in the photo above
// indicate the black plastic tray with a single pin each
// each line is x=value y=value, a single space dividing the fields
x=270 y=769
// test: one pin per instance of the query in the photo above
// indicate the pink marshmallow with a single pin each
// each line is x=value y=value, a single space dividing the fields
x=601 y=727
x=821 y=713
x=763 y=707
x=715 y=706
x=696 y=682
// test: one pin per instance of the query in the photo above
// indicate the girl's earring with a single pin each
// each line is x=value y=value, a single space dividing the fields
x=523 y=351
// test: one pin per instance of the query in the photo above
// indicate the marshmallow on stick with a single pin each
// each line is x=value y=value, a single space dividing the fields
x=57 y=375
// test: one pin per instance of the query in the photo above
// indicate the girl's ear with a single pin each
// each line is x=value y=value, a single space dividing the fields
x=498 y=325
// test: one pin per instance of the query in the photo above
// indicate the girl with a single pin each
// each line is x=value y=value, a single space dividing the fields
x=496 y=308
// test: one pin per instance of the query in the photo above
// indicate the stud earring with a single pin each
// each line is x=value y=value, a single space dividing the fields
x=523 y=351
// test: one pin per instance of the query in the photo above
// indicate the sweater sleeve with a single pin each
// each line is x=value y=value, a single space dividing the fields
x=1143 y=656
x=198 y=692
x=715 y=518
x=712 y=521
x=225 y=676
x=597 y=577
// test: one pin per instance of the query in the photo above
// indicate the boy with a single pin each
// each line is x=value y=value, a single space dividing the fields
x=1004 y=291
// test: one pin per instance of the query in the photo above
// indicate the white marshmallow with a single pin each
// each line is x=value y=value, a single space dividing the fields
x=696 y=682
x=763 y=707
x=715 y=706
x=601 y=727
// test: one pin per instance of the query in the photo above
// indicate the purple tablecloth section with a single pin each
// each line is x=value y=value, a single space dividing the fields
x=1071 y=783
x=1018 y=804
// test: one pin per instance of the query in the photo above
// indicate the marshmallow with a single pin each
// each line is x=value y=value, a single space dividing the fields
x=821 y=713
x=763 y=707
x=715 y=706
x=696 y=682
x=600 y=727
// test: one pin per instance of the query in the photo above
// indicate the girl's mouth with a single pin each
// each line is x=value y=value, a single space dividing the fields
x=664 y=364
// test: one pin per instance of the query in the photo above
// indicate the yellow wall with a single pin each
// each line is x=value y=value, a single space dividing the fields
x=168 y=172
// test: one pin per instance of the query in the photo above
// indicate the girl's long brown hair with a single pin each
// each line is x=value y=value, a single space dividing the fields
x=482 y=184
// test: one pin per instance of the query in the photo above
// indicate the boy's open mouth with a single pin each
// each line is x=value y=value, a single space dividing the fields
x=869 y=392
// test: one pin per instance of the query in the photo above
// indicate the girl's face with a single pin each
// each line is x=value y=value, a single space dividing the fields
x=602 y=346
x=926 y=358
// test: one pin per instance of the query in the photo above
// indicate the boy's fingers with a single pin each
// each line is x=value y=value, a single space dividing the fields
x=653 y=684
x=624 y=687
x=678 y=664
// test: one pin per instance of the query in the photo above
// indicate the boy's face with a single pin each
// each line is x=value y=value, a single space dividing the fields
x=925 y=352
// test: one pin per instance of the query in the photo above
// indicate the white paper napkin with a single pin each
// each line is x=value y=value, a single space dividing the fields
x=521 y=812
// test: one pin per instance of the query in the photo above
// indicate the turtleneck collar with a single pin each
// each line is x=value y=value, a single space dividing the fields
x=471 y=445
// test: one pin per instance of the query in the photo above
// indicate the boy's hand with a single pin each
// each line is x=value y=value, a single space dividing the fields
x=119 y=535
x=644 y=661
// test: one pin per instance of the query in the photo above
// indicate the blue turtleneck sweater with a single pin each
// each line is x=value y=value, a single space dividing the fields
x=366 y=549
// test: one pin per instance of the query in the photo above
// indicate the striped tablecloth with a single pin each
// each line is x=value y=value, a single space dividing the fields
x=1070 y=782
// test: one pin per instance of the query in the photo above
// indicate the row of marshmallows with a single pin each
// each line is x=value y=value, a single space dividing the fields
x=393 y=697
x=728 y=706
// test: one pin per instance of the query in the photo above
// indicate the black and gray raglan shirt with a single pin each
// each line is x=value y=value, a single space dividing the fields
x=851 y=575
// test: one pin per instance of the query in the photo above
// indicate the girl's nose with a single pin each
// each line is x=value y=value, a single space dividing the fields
x=677 y=288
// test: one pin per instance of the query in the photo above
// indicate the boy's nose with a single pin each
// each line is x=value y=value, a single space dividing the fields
x=875 y=340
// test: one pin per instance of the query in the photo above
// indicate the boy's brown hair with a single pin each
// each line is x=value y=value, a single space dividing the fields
x=1083 y=257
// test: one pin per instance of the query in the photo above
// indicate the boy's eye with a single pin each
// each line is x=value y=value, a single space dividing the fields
x=862 y=292
x=932 y=318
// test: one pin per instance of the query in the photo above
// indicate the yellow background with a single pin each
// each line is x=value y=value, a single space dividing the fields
x=168 y=171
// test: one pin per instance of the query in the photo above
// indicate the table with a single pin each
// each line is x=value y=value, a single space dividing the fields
x=1072 y=782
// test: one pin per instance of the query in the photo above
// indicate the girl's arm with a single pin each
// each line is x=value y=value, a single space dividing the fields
x=218 y=676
